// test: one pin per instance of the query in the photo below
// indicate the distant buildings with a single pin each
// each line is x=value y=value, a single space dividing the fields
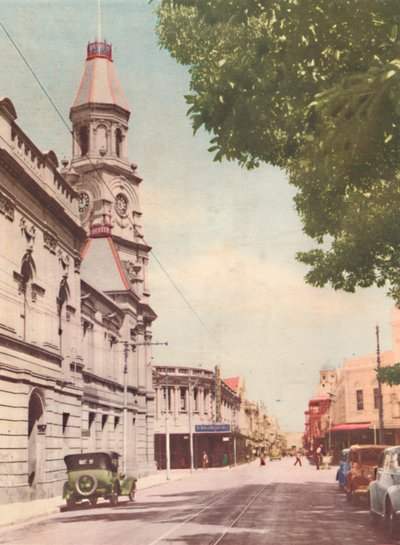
x=194 y=406
x=345 y=410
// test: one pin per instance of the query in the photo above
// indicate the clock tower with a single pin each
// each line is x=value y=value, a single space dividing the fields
x=107 y=181
x=115 y=259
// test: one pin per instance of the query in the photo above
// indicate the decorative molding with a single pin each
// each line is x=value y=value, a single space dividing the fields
x=37 y=290
x=50 y=242
x=20 y=281
x=77 y=264
x=70 y=311
x=29 y=231
x=64 y=260
x=133 y=270
x=7 y=207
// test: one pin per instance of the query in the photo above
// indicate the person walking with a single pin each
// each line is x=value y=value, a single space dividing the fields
x=205 y=460
x=262 y=459
x=298 y=457
x=318 y=456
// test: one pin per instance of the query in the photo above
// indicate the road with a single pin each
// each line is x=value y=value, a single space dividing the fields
x=246 y=505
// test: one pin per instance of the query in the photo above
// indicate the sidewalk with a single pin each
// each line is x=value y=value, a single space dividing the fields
x=21 y=512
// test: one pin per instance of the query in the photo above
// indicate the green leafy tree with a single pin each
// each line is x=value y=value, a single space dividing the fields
x=389 y=374
x=313 y=87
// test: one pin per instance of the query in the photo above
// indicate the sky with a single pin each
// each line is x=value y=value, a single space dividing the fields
x=233 y=295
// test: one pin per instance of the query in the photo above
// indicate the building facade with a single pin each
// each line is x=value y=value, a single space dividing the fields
x=349 y=400
x=194 y=406
x=75 y=327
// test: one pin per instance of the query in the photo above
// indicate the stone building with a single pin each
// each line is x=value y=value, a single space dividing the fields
x=75 y=326
x=193 y=399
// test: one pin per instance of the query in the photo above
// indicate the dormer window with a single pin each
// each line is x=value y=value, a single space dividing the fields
x=84 y=139
x=118 y=142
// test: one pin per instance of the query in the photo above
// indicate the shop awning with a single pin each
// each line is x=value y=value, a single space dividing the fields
x=350 y=427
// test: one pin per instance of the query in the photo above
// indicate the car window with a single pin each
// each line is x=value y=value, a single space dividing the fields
x=398 y=459
x=369 y=456
x=387 y=461
x=381 y=459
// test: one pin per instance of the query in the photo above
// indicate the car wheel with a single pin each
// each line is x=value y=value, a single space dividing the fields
x=391 y=521
x=114 y=499
x=93 y=500
x=70 y=503
x=86 y=484
x=132 y=493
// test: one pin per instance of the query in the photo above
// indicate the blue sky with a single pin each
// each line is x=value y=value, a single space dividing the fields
x=227 y=237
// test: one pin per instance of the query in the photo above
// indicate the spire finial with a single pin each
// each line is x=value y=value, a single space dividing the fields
x=98 y=20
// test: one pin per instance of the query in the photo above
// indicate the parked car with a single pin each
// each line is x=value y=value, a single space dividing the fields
x=363 y=459
x=384 y=492
x=343 y=468
x=95 y=475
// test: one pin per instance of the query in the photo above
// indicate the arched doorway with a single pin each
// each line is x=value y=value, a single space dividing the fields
x=36 y=430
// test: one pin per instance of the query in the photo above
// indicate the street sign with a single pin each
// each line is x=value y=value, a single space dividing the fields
x=212 y=428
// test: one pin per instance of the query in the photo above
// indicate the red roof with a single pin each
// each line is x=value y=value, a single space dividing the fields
x=354 y=426
x=232 y=382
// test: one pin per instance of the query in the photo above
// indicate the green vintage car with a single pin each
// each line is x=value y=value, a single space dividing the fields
x=95 y=475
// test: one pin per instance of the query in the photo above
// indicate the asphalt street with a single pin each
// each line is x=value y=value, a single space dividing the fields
x=246 y=505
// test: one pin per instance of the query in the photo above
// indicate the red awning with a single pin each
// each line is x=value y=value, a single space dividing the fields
x=350 y=427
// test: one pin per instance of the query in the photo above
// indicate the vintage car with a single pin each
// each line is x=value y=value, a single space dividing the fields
x=384 y=492
x=95 y=475
x=363 y=459
x=343 y=468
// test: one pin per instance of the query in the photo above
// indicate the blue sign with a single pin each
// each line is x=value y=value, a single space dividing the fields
x=207 y=428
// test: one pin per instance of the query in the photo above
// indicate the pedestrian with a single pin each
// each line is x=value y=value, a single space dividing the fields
x=205 y=460
x=262 y=459
x=318 y=456
x=298 y=457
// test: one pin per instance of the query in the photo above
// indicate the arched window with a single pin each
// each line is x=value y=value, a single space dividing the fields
x=84 y=139
x=118 y=142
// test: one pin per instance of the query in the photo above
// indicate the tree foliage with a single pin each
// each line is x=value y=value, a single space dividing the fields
x=389 y=374
x=313 y=87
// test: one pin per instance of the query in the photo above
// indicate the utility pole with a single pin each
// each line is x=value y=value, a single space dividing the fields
x=190 y=388
x=380 y=404
x=132 y=346
x=167 y=445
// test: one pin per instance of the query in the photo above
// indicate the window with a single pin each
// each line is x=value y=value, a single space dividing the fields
x=376 y=398
x=104 y=419
x=84 y=139
x=167 y=399
x=183 y=398
x=360 y=400
x=118 y=142
x=195 y=399
x=65 y=418
x=92 y=417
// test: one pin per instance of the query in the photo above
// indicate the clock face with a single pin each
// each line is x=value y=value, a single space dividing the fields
x=121 y=204
x=84 y=201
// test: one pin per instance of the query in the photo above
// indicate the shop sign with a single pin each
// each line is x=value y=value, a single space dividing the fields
x=212 y=428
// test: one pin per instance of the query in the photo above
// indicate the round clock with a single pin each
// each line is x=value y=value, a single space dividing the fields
x=84 y=201
x=121 y=204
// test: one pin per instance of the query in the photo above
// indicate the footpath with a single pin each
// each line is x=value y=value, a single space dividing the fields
x=22 y=512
